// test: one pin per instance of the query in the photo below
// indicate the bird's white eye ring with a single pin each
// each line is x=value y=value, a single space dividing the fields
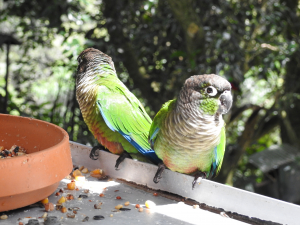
x=211 y=91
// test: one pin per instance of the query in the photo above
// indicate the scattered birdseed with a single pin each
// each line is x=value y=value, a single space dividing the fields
x=81 y=168
x=3 y=217
x=45 y=200
x=84 y=170
x=63 y=210
x=149 y=204
x=62 y=200
x=49 y=207
x=118 y=206
x=126 y=203
x=76 y=173
x=58 y=207
x=118 y=197
x=12 y=152
x=70 y=197
x=196 y=206
x=71 y=185
x=96 y=171
x=141 y=209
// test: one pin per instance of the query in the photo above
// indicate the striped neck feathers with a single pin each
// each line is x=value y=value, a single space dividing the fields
x=205 y=109
x=94 y=72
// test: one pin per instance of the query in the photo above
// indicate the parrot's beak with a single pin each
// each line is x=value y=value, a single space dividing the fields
x=225 y=102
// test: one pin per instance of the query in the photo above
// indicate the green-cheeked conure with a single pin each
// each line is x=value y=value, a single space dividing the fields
x=112 y=113
x=188 y=133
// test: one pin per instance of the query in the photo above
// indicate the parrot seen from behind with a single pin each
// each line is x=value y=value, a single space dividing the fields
x=188 y=133
x=112 y=113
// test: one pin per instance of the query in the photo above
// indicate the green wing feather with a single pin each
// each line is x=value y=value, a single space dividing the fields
x=158 y=119
x=123 y=112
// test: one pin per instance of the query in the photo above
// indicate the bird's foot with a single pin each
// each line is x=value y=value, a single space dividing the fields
x=121 y=159
x=93 y=154
x=160 y=170
x=198 y=177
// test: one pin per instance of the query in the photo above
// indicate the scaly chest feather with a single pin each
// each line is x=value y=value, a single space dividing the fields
x=187 y=139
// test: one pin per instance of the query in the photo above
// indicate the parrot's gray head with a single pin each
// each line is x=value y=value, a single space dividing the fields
x=210 y=91
x=90 y=58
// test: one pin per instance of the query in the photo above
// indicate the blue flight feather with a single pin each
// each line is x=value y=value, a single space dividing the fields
x=149 y=153
x=153 y=136
x=215 y=160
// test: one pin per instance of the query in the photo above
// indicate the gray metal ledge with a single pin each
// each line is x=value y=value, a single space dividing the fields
x=213 y=194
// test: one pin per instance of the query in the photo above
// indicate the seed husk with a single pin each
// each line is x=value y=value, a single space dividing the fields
x=58 y=206
x=98 y=206
x=124 y=209
x=85 y=219
x=83 y=196
x=69 y=215
x=74 y=209
x=98 y=217
x=103 y=177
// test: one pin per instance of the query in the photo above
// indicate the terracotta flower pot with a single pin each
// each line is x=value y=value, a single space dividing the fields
x=30 y=178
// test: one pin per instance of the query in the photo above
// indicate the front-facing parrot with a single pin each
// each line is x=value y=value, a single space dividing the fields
x=112 y=113
x=188 y=133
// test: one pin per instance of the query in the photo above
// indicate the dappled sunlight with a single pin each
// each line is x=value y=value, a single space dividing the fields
x=189 y=214
x=94 y=186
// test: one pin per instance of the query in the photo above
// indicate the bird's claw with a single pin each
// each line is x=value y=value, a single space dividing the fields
x=160 y=170
x=94 y=154
x=198 y=177
x=121 y=159
x=156 y=179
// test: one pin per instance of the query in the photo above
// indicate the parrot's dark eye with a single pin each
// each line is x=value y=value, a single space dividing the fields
x=210 y=90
